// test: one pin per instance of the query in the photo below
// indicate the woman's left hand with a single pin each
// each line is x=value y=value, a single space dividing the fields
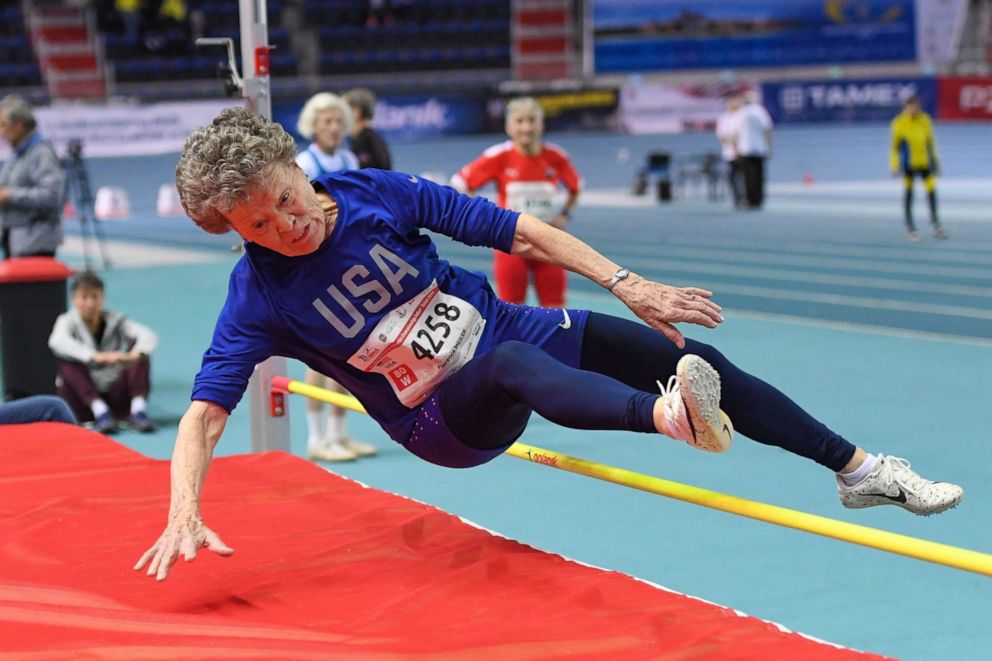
x=661 y=306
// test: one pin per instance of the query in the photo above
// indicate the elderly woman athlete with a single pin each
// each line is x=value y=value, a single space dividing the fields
x=339 y=275
x=528 y=173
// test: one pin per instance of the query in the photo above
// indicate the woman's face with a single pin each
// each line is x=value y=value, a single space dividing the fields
x=329 y=129
x=525 y=128
x=283 y=215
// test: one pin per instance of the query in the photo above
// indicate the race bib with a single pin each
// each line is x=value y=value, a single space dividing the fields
x=534 y=197
x=422 y=342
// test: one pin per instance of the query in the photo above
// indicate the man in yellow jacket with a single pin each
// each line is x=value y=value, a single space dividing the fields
x=914 y=152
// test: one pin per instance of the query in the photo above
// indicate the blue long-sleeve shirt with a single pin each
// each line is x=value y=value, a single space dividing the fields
x=364 y=307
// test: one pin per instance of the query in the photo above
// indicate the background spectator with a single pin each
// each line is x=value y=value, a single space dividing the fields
x=914 y=154
x=754 y=146
x=32 y=185
x=726 y=133
x=103 y=360
x=131 y=13
x=367 y=144
x=327 y=119
x=527 y=172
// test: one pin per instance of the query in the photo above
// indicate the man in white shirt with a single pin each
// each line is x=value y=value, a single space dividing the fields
x=726 y=133
x=754 y=146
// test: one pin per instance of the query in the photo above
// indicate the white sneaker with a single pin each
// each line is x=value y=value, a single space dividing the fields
x=691 y=406
x=334 y=452
x=894 y=483
x=360 y=449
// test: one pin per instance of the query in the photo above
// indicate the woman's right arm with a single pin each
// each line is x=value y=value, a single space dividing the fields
x=199 y=432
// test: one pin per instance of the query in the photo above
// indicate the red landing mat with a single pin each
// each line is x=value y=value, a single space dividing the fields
x=324 y=568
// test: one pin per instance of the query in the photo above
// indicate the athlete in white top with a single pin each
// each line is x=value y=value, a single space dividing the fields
x=726 y=133
x=326 y=119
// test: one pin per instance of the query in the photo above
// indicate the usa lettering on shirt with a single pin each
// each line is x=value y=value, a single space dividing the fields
x=358 y=283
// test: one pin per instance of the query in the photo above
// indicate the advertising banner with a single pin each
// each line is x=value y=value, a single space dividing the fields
x=411 y=117
x=657 y=108
x=965 y=99
x=845 y=100
x=662 y=35
x=588 y=109
x=125 y=130
x=939 y=24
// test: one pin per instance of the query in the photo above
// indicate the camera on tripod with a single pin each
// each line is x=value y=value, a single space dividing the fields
x=79 y=193
x=74 y=150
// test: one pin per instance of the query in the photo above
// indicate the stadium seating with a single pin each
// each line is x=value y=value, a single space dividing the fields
x=427 y=35
x=17 y=63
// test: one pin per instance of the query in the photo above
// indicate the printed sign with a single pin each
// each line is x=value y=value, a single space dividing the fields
x=125 y=130
x=650 y=108
x=845 y=100
x=658 y=35
x=965 y=99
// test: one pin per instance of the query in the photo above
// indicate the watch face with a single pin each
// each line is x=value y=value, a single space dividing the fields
x=623 y=273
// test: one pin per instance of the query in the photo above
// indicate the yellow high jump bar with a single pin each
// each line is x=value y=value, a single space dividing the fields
x=921 y=549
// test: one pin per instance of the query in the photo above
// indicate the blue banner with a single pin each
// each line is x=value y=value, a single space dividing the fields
x=658 y=35
x=845 y=100
x=411 y=117
x=423 y=116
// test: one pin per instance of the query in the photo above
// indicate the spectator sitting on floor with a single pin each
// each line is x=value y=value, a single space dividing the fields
x=38 y=408
x=103 y=360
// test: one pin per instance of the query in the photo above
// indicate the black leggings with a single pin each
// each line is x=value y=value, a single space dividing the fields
x=488 y=403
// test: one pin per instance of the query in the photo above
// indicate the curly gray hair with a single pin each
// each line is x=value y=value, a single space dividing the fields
x=222 y=160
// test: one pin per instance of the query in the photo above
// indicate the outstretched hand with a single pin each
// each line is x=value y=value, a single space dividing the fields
x=180 y=537
x=661 y=306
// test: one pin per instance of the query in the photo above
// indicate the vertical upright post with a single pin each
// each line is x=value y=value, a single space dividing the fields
x=269 y=424
x=588 y=41
x=255 y=56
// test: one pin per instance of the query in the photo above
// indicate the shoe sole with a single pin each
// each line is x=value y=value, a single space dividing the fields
x=875 y=501
x=699 y=385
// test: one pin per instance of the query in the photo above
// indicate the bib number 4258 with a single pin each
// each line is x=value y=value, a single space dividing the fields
x=436 y=333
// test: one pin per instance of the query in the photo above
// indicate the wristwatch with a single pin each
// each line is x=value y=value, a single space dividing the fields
x=621 y=274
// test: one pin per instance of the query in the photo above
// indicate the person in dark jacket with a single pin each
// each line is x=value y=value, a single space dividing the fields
x=368 y=145
x=32 y=185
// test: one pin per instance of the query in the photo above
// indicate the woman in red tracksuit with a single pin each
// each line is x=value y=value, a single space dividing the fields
x=528 y=172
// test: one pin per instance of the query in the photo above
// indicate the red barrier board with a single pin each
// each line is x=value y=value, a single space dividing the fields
x=964 y=99
x=324 y=568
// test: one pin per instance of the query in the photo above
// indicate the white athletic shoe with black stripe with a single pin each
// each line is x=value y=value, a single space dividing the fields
x=893 y=482
x=691 y=405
